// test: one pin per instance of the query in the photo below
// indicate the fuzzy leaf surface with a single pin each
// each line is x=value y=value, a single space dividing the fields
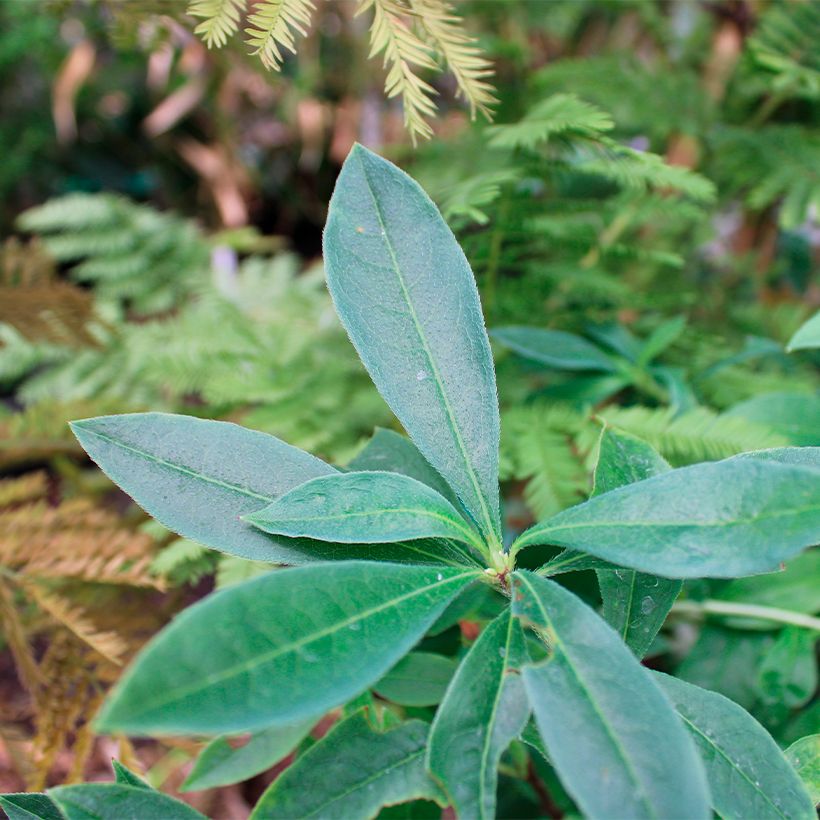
x=407 y=297
x=374 y=508
x=117 y=801
x=279 y=648
x=390 y=452
x=600 y=714
x=635 y=604
x=484 y=709
x=804 y=756
x=722 y=520
x=747 y=773
x=352 y=772
x=29 y=806
x=197 y=477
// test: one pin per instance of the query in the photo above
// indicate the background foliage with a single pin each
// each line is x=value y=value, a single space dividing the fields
x=648 y=185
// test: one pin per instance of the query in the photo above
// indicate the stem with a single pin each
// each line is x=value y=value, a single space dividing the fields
x=765 y=613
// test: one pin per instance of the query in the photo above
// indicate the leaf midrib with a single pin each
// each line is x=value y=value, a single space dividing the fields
x=640 y=786
x=282 y=649
x=551 y=530
x=730 y=761
x=177 y=467
x=488 y=519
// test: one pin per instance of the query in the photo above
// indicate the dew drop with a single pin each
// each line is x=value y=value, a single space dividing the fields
x=421 y=376
x=439 y=576
x=355 y=627
x=502 y=651
x=647 y=605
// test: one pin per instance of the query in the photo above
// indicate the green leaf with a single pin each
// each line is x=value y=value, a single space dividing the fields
x=116 y=801
x=126 y=777
x=364 y=508
x=390 y=452
x=722 y=519
x=747 y=773
x=635 y=604
x=601 y=715
x=804 y=756
x=485 y=708
x=807 y=335
x=797 y=456
x=793 y=415
x=795 y=588
x=198 y=477
x=572 y=561
x=29 y=806
x=563 y=351
x=351 y=773
x=405 y=293
x=220 y=763
x=787 y=678
x=280 y=648
x=660 y=339
x=419 y=679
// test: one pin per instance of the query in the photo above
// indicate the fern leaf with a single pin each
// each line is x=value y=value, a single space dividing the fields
x=272 y=25
x=559 y=115
x=468 y=65
x=404 y=52
x=221 y=19
x=108 y=644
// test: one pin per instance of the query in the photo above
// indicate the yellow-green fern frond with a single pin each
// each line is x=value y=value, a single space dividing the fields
x=272 y=25
x=404 y=53
x=469 y=66
x=220 y=19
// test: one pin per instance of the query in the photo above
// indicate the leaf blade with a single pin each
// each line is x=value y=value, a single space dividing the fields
x=358 y=617
x=720 y=519
x=599 y=714
x=484 y=709
x=352 y=772
x=635 y=604
x=116 y=801
x=555 y=348
x=748 y=774
x=197 y=476
x=367 y=507
x=405 y=293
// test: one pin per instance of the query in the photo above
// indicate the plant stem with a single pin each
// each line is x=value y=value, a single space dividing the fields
x=764 y=613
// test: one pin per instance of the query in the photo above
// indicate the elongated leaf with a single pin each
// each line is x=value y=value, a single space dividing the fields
x=660 y=338
x=220 y=763
x=364 y=508
x=787 y=678
x=419 y=679
x=807 y=335
x=721 y=519
x=117 y=801
x=198 y=477
x=747 y=773
x=635 y=604
x=279 y=648
x=407 y=297
x=798 y=456
x=804 y=756
x=795 y=588
x=389 y=452
x=351 y=773
x=572 y=561
x=29 y=806
x=126 y=777
x=484 y=709
x=563 y=351
x=601 y=715
x=796 y=416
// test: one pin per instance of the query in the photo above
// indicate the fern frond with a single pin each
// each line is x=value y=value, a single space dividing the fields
x=221 y=19
x=559 y=115
x=470 y=197
x=468 y=65
x=699 y=435
x=108 y=644
x=538 y=447
x=785 y=43
x=272 y=25
x=14 y=634
x=404 y=52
